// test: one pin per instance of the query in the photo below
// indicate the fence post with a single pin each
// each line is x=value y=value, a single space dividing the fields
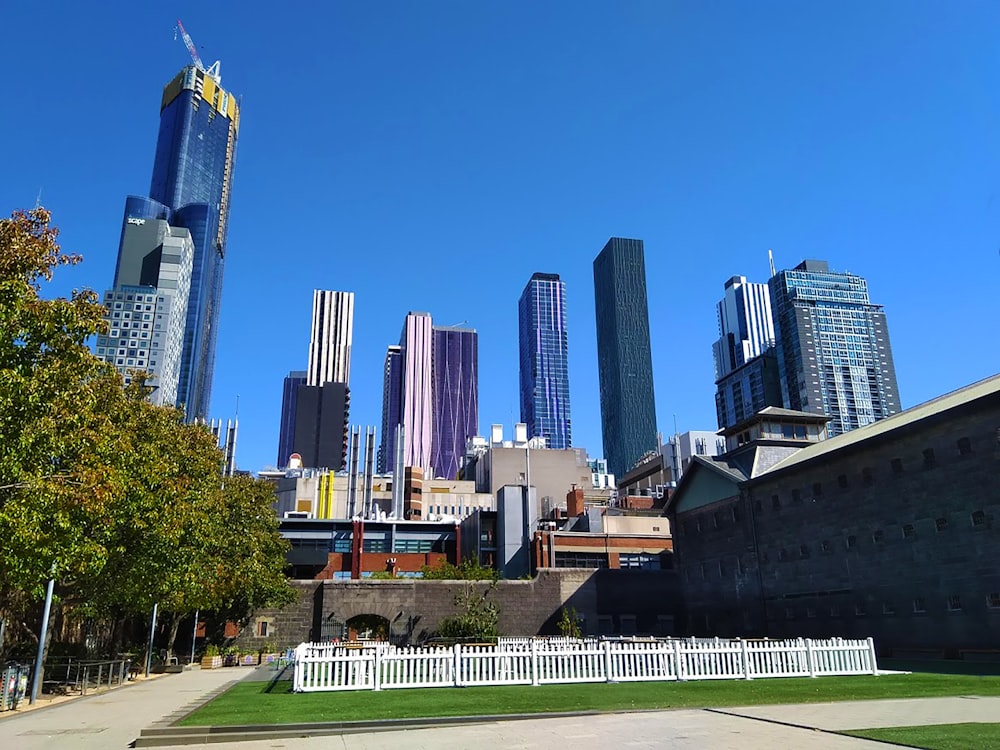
x=298 y=667
x=457 y=668
x=745 y=655
x=678 y=660
x=811 y=657
x=608 y=676
x=534 y=662
x=871 y=650
x=377 y=665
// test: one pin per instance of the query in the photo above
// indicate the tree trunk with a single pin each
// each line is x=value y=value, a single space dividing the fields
x=175 y=623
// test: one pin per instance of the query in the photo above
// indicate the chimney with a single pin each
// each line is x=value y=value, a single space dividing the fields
x=574 y=502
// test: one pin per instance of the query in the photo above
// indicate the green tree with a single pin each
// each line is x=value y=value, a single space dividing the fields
x=478 y=618
x=467 y=570
x=569 y=623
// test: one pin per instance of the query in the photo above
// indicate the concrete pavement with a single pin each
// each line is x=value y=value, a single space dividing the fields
x=114 y=719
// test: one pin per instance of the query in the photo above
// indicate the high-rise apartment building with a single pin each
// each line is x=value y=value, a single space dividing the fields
x=544 y=360
x=833 y=349
x=289 y=403
x=416 y=413
x=331 y=336
x=190 y=189
x=624 y=356
x=746 y=370
x=392 y=403
x=455 y=396
x=147 y=307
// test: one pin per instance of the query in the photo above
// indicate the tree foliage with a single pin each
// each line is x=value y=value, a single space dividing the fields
x=467 y=570
x=122 y=501
x=478 y=618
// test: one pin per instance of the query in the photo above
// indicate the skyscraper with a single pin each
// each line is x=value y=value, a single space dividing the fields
x=624 y=357
x=833 y=349
x=190 y=189
x=289 y=403
x=416 y=414
x=319 y=413
x=455 y=397
x=544 y=360
x=330 y=340
x=746 y=370
x=146 y=308
x=392 y=403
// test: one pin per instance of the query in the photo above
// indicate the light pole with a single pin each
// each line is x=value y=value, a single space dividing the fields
x=152 y=629
x=37 y=679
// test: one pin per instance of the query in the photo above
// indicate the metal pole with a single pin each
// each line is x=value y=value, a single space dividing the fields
x=36 y=681
x=149 y=648
x=3 y=628
x=194 y=634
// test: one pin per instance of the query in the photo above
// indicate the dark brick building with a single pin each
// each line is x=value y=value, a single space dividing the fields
x=889 y=531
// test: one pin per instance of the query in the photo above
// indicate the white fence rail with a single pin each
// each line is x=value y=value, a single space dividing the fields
x=537 y=661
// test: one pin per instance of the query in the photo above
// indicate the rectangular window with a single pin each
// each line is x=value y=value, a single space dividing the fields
x=941 y=524
x=954 y=603
x=878 y=537
x=860 y=609
x=796 y=497
x=993 y=600
x=919 y=607
x=964 y=446
x=978 y=518
x=888 y=608
x=908 y=530
x=262 y=629
x=775 y=502
x=851 y=541
x=817 y=489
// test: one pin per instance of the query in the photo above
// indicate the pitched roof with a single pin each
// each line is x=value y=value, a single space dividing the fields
x=988 y=387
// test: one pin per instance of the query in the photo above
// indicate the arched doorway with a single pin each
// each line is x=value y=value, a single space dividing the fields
x=368 y=628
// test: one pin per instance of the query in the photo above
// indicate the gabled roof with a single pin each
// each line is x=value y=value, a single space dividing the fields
x=988 y=387
x=715 y=464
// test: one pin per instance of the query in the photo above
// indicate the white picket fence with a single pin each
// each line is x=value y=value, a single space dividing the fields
x=538 y=661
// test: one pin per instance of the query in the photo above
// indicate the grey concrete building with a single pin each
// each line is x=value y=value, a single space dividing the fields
x=889 y=531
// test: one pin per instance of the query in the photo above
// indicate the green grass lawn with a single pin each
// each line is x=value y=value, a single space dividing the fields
x=255 y=703
x=937 y=736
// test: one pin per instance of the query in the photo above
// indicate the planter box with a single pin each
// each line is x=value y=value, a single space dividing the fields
x=211 y=662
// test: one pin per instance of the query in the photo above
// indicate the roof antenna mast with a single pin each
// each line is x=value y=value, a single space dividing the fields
x=770 y=260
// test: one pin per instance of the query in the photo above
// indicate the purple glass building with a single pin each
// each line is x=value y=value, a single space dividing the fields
x=455 y=397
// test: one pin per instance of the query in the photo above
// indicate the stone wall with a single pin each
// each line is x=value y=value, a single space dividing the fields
x=415 y=608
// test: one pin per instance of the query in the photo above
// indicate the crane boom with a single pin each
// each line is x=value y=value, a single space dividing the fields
x=190 y=45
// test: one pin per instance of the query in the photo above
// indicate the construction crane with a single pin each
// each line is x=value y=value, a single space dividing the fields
x=213 y=70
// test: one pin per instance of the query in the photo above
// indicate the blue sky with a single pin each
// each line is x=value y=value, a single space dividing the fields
x=433 y=155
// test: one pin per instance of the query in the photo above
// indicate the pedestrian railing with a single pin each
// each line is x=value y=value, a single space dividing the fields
x=537 y=661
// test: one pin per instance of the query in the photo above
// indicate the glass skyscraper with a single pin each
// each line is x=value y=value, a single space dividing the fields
x=455 y=397
x=190 y=189
x=624 y=357
x=289 y=404
x=544 y=360
x=833 y=347
x=392 y=404
x=746 y=370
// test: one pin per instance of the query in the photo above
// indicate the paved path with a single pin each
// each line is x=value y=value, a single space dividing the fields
x=112 y=720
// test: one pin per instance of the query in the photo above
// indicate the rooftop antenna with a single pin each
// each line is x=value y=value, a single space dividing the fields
x=213 y=70
x=770 y=260
x=38 y=199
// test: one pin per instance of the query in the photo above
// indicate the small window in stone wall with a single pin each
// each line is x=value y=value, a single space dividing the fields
x=929 y=460
x=851 y=541
x=978 y=518
x=919 y=606
x=888 y=608
x=804 y=552
x=909 y=531
x=775 y=502
x=789 y=613
x=941 y=524
x=825 y=545
x=954 y=603
x=993 y=600
x=796 y=497
x=878 y=536
x=811 y=613
x=817 y=489
x=867 y=477
x=897 y=465
x=860 y=609
x=842 y=481
x=964 y=446
x=835 y=611
x=782 y=554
